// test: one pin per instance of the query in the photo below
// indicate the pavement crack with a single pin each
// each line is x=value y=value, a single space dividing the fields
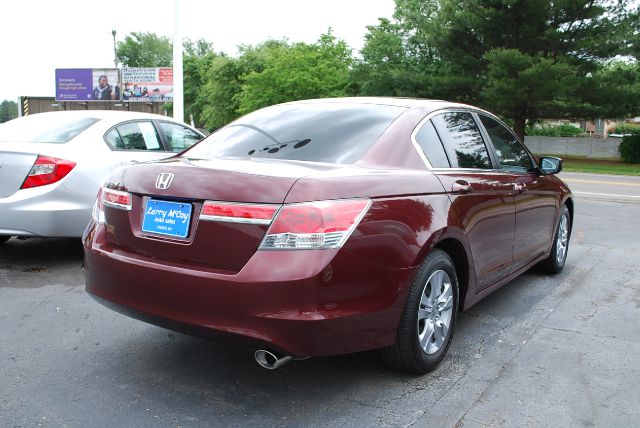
x=586 y=333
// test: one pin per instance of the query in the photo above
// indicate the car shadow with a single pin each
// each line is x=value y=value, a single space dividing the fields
x=37 y=262
x=139 y=363
x=228 y=379
x=53 y=251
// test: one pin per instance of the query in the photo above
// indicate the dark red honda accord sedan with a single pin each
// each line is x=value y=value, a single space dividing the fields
x=329 y=226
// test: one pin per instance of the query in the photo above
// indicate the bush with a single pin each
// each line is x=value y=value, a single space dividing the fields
x=626 y=128
x=630 y=148
x=554 y=131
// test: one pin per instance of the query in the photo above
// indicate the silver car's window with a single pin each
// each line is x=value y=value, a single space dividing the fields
x=323 y=132
x=462 y=139
x=141 y=135
x=45 y=128
x=511 y=155
x=179 y=137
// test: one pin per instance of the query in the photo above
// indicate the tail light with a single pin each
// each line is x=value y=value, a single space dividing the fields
x=97 y=213
x=111 y=198
x=116 y=199
x=315 y=225
x=47 y=170
x=238 y=213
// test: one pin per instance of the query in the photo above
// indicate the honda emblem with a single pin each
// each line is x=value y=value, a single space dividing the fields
x=164 y=180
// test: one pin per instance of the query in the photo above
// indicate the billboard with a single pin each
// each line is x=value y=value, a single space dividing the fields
x=153 y=84
x=87 y=84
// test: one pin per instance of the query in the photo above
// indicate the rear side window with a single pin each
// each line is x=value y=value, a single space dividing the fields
x=136 y=136
x=428 y=140
x=45 y=128
x=462 y=140
x=511 y=155
x=324 y=132
x=179 y=137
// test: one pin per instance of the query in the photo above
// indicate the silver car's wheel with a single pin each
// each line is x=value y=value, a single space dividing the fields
x=434 y=312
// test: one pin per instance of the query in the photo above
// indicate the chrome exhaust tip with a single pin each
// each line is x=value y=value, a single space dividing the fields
x=270 y=360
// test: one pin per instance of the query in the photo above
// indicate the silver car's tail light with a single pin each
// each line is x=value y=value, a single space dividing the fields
x=315 y=225
x=47 y=170
x=238 y=212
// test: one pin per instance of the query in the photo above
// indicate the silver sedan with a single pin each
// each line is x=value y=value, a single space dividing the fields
x=52 y=164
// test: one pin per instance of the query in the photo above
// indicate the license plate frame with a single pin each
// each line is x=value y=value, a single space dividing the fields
x=167 y=218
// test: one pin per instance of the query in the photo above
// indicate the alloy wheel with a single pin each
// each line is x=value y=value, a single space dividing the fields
x=435 y=312
x=562 y=239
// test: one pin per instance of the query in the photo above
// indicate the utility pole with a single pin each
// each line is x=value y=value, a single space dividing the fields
x=178 y=89
x=115 y=51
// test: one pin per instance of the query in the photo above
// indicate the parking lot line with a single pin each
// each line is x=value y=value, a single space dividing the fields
x=606 y=194
x=618 y=183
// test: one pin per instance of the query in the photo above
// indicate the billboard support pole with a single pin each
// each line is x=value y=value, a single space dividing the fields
x=178 y=89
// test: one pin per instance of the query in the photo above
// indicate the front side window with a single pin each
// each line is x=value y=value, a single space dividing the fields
x=134 y=136
x=511 y=155
x=323 y=132
x=462 y=140
x=179 y=137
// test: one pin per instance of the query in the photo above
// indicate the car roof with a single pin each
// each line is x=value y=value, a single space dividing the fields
x=428 y=104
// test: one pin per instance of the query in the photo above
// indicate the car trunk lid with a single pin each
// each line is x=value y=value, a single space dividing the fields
x=211 y=243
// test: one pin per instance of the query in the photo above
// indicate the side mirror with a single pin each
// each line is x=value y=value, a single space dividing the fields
x=550 y=165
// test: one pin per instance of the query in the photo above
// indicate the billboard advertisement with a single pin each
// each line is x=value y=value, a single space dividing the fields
x=87 y=84
x=153 y=84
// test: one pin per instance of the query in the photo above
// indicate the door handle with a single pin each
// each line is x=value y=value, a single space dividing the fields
x=519 y=188
x=461 y=186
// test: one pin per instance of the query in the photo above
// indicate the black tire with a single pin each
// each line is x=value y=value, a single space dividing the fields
x=554 y=263
x=407 y=354
x=4 y=238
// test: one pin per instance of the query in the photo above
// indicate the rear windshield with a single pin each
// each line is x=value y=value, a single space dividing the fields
x=324 y=132
x=44 y=128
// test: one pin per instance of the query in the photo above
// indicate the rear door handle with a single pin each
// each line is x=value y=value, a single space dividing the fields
x=461 y=187
x=519 y=188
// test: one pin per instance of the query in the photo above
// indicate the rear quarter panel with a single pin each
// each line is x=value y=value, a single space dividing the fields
x=410 y=211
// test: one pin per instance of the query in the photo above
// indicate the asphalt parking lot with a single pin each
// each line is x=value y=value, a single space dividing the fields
x=542 y=351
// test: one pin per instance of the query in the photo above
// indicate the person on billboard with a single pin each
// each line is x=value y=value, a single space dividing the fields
x=156 y=95
x=103 y=91
x=127 y=93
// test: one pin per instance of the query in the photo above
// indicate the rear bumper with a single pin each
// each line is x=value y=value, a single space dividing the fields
x=303 y=303
x=48 y=211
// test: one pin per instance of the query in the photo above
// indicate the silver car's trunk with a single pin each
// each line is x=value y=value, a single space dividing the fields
x=16 y=161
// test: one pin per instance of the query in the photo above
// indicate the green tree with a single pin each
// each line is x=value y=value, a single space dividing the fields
x=197 y=59
x=145 y=50
x=299 y=71
x=387 y=68
x=223 y=88
x=524 y=59
x=8 y=110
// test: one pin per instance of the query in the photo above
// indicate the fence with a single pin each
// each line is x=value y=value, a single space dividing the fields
x=589 y=148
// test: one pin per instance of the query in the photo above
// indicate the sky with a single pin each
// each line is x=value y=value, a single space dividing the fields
x=38 y=36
